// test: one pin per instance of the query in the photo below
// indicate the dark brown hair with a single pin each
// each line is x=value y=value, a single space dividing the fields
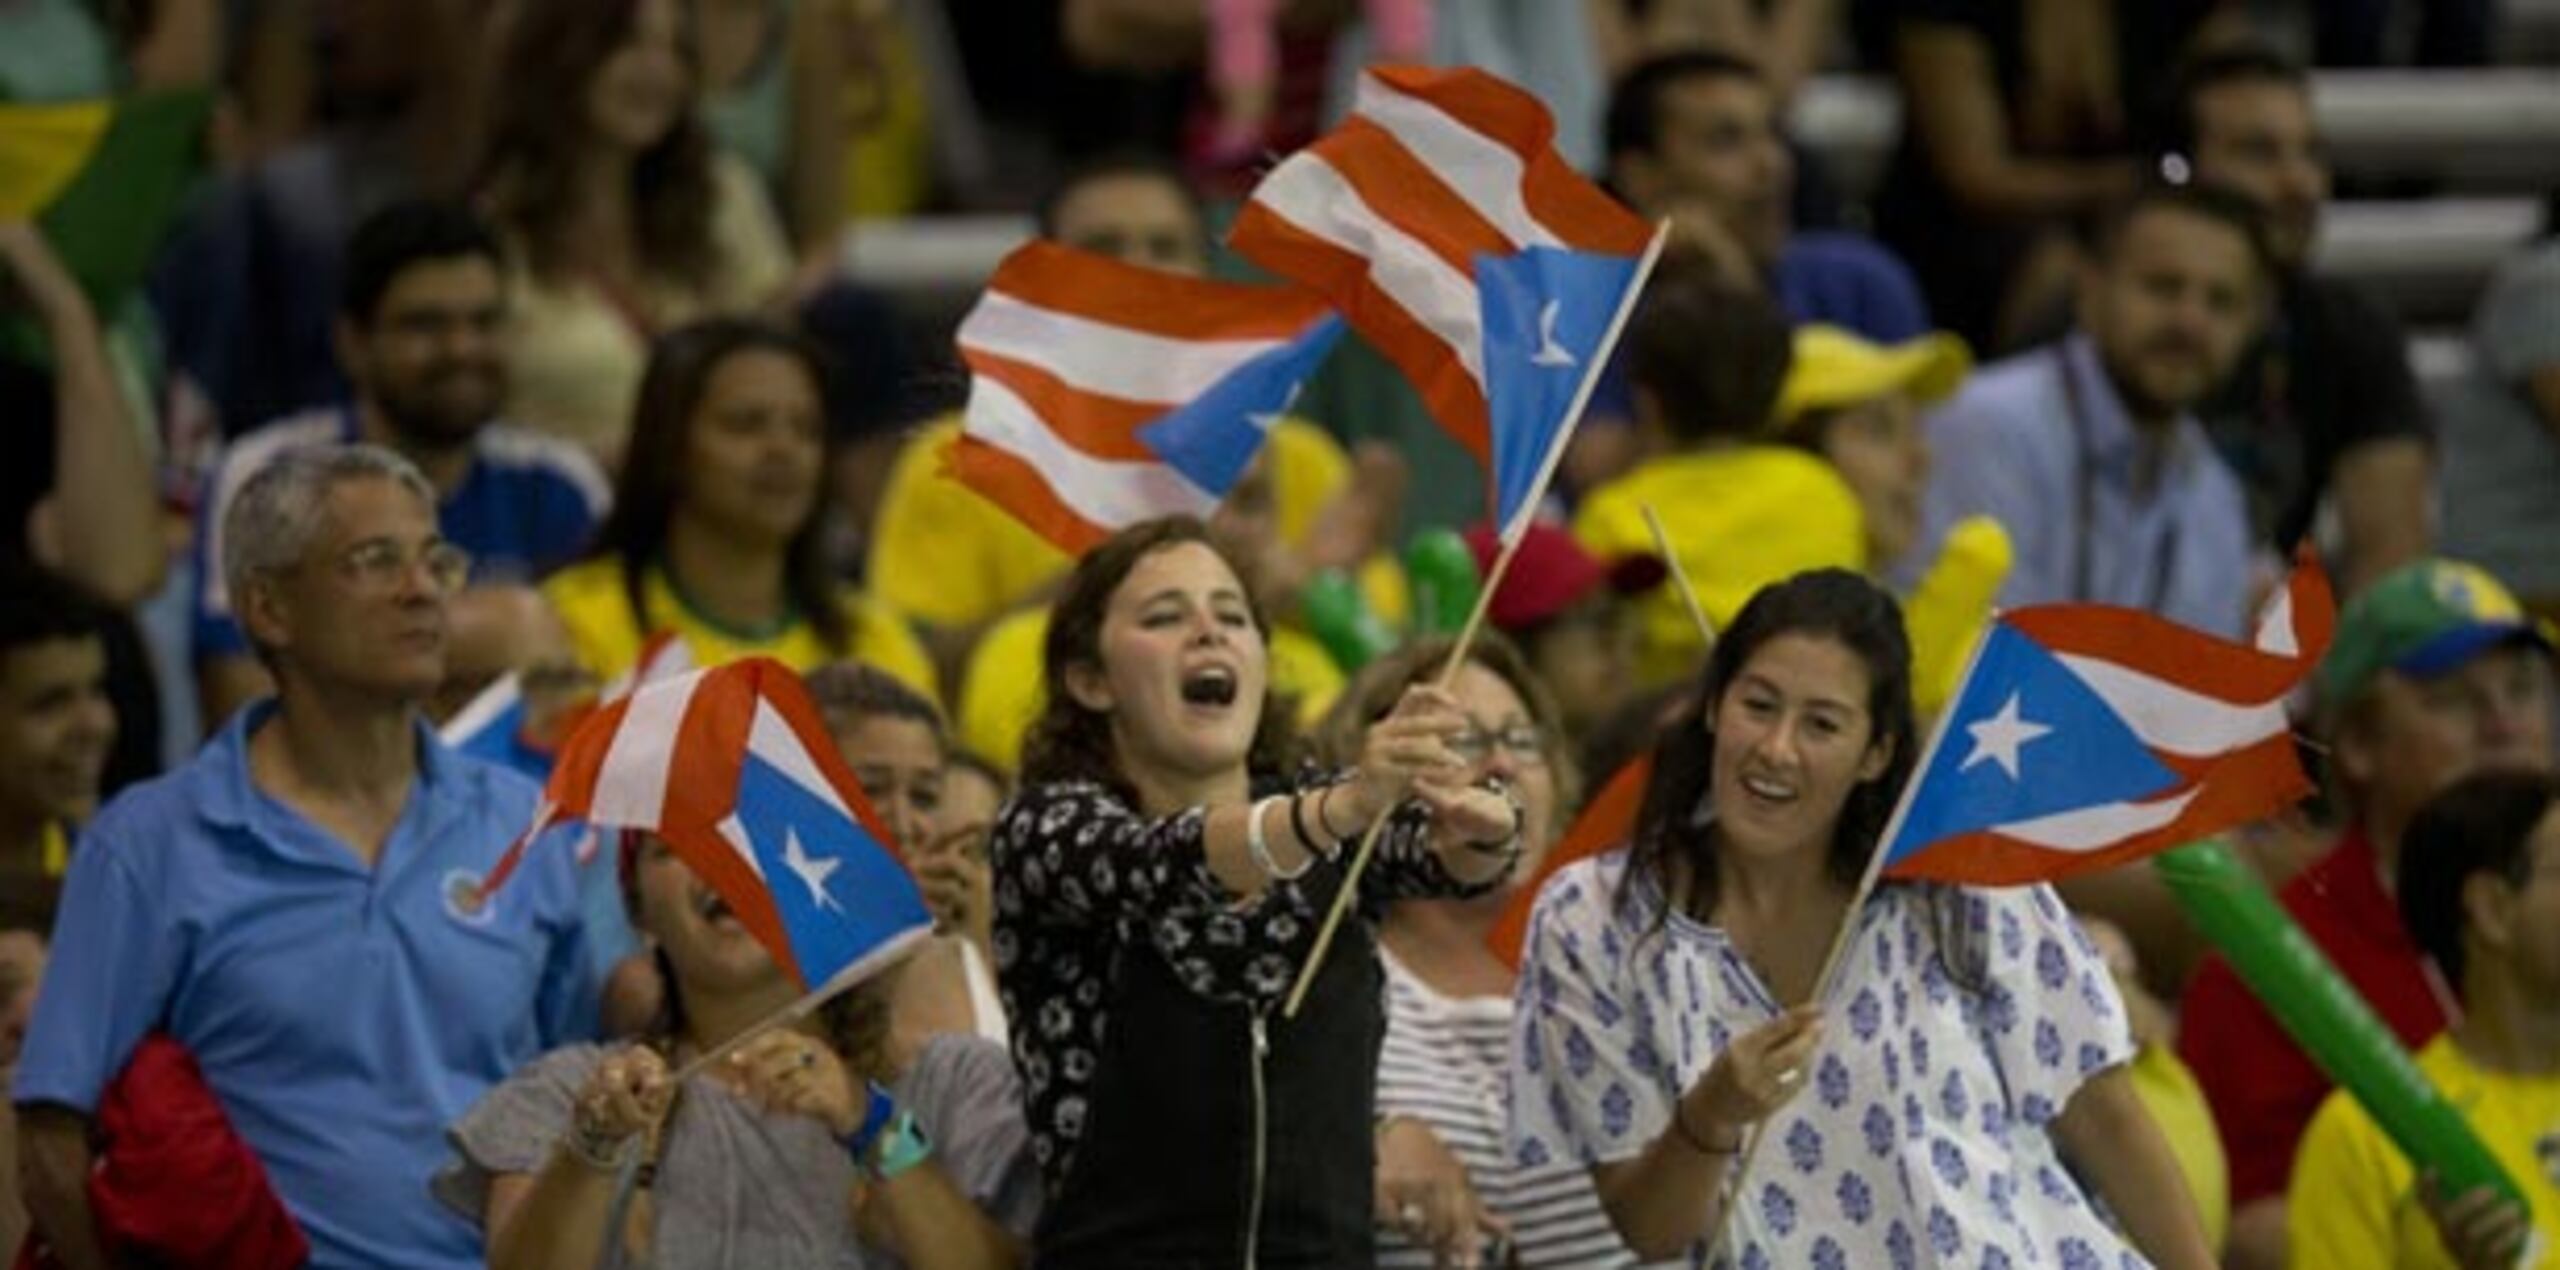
x=539 y=129
x=2482 y=824
x=850 y=692
x=645 y=498
x=1712 y=356
x=1833 y=604
x=1380 y=684
x=1071 y=743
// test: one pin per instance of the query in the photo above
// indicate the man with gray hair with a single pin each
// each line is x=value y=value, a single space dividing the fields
x=299 y=906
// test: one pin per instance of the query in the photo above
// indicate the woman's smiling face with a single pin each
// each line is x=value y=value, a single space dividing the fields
x=1793 y=739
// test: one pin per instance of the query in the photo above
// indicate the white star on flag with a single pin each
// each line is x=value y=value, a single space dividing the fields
x=1999 y=738
x=813 y=871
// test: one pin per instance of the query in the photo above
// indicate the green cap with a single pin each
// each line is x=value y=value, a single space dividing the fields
x=2422 y=620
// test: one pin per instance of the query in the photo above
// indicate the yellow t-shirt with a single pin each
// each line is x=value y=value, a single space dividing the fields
x=1739 y=519
x=2169 y=1091
x=2354 y=1202
x=942 y=553
x=574 y=358
x=592 y=604
x=1001 y=690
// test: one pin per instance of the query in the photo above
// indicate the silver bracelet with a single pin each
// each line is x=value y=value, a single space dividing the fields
x=1260 y=847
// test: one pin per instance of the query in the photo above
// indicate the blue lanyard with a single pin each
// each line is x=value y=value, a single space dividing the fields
x=2163 y=555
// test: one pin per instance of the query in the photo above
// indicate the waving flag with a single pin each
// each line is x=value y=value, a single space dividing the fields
x=496 y=726
x=2087 y=735
x=1441 y=221
x=733 y=768
x=1102 y=394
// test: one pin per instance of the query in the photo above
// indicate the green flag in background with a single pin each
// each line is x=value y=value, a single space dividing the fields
x=108 y=220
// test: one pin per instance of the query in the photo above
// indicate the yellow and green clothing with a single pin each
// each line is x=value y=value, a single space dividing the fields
x=2353 y=1202
x=943 y=553
x=608 y=635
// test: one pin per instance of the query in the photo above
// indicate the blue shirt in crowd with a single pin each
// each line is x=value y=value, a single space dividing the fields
x=2042 y=443
x=528 y=504
x=343 y=1015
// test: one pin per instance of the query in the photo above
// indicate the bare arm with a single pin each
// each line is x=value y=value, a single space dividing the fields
x=815 y=183
x=2386 y=503
x=552 y=1218
x=2107 y=1135
x=54 y=1162
x=103 y=516
x=2544 y=389
x=183 y=48
x=1950 y=89
x=1792 y=42
x=1668 y=1198
x=933 y=1225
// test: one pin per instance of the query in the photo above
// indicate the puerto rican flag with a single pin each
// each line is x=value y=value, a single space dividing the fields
x=1441 y=221
x=1102 y=394
x=734 y=769
x=2086 y=735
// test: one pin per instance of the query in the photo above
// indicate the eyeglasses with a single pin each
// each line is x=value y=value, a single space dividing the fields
x=1526 y=743
x=381 y=565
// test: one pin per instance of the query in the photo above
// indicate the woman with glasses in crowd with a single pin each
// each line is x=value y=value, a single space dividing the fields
x=1159 y=883
x=1448 y=1191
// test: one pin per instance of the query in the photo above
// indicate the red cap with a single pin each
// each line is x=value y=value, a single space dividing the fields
x=1552 y=573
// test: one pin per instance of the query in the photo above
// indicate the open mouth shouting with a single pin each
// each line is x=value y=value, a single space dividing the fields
x=1209 y=687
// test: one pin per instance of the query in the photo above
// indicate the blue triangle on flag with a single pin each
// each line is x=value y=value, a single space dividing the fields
x=2021 y=706
x=1545 y=311
x=1212 y=438
x=809 y=850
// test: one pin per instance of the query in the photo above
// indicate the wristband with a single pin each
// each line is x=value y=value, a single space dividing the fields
x=1260 y=847
x=1680 y=1125
x=876 y=1114
x=1322 y=838
x=903 y=1145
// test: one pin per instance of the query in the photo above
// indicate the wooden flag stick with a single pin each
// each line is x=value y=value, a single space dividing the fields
x=1849 y=922
x=1679 y=575
x=1511 y=536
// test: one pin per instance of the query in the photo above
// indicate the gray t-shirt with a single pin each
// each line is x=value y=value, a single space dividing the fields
x=738 y=1187
x=2501 y=461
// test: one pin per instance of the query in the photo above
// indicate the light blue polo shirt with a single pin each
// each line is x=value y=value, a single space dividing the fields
x=344 y=1016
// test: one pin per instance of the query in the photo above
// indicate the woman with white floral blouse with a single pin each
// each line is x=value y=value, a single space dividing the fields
x=1941 y=1107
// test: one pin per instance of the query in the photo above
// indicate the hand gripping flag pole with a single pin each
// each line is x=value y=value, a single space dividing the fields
x=1512 y=532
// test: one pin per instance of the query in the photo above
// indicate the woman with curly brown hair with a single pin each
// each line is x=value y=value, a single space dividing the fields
x=1159 y=882
x=621 y=218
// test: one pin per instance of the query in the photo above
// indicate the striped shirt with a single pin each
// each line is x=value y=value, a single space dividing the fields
x=1444 y=1065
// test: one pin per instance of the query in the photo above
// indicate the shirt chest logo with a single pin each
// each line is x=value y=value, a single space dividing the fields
x=463 y=901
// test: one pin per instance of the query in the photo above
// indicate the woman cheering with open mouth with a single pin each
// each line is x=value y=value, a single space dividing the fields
x=1158 y=885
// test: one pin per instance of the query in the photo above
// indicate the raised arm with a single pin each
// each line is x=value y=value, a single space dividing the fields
x=1949 y=88
x=102 y=520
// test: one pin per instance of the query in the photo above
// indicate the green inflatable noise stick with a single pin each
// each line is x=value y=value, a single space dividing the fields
x=1445 y=584
x=2287 y=972
x=1342 y=621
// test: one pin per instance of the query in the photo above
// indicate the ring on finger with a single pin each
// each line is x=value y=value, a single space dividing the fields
x=1787 y=1079
x=1410 y=1215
